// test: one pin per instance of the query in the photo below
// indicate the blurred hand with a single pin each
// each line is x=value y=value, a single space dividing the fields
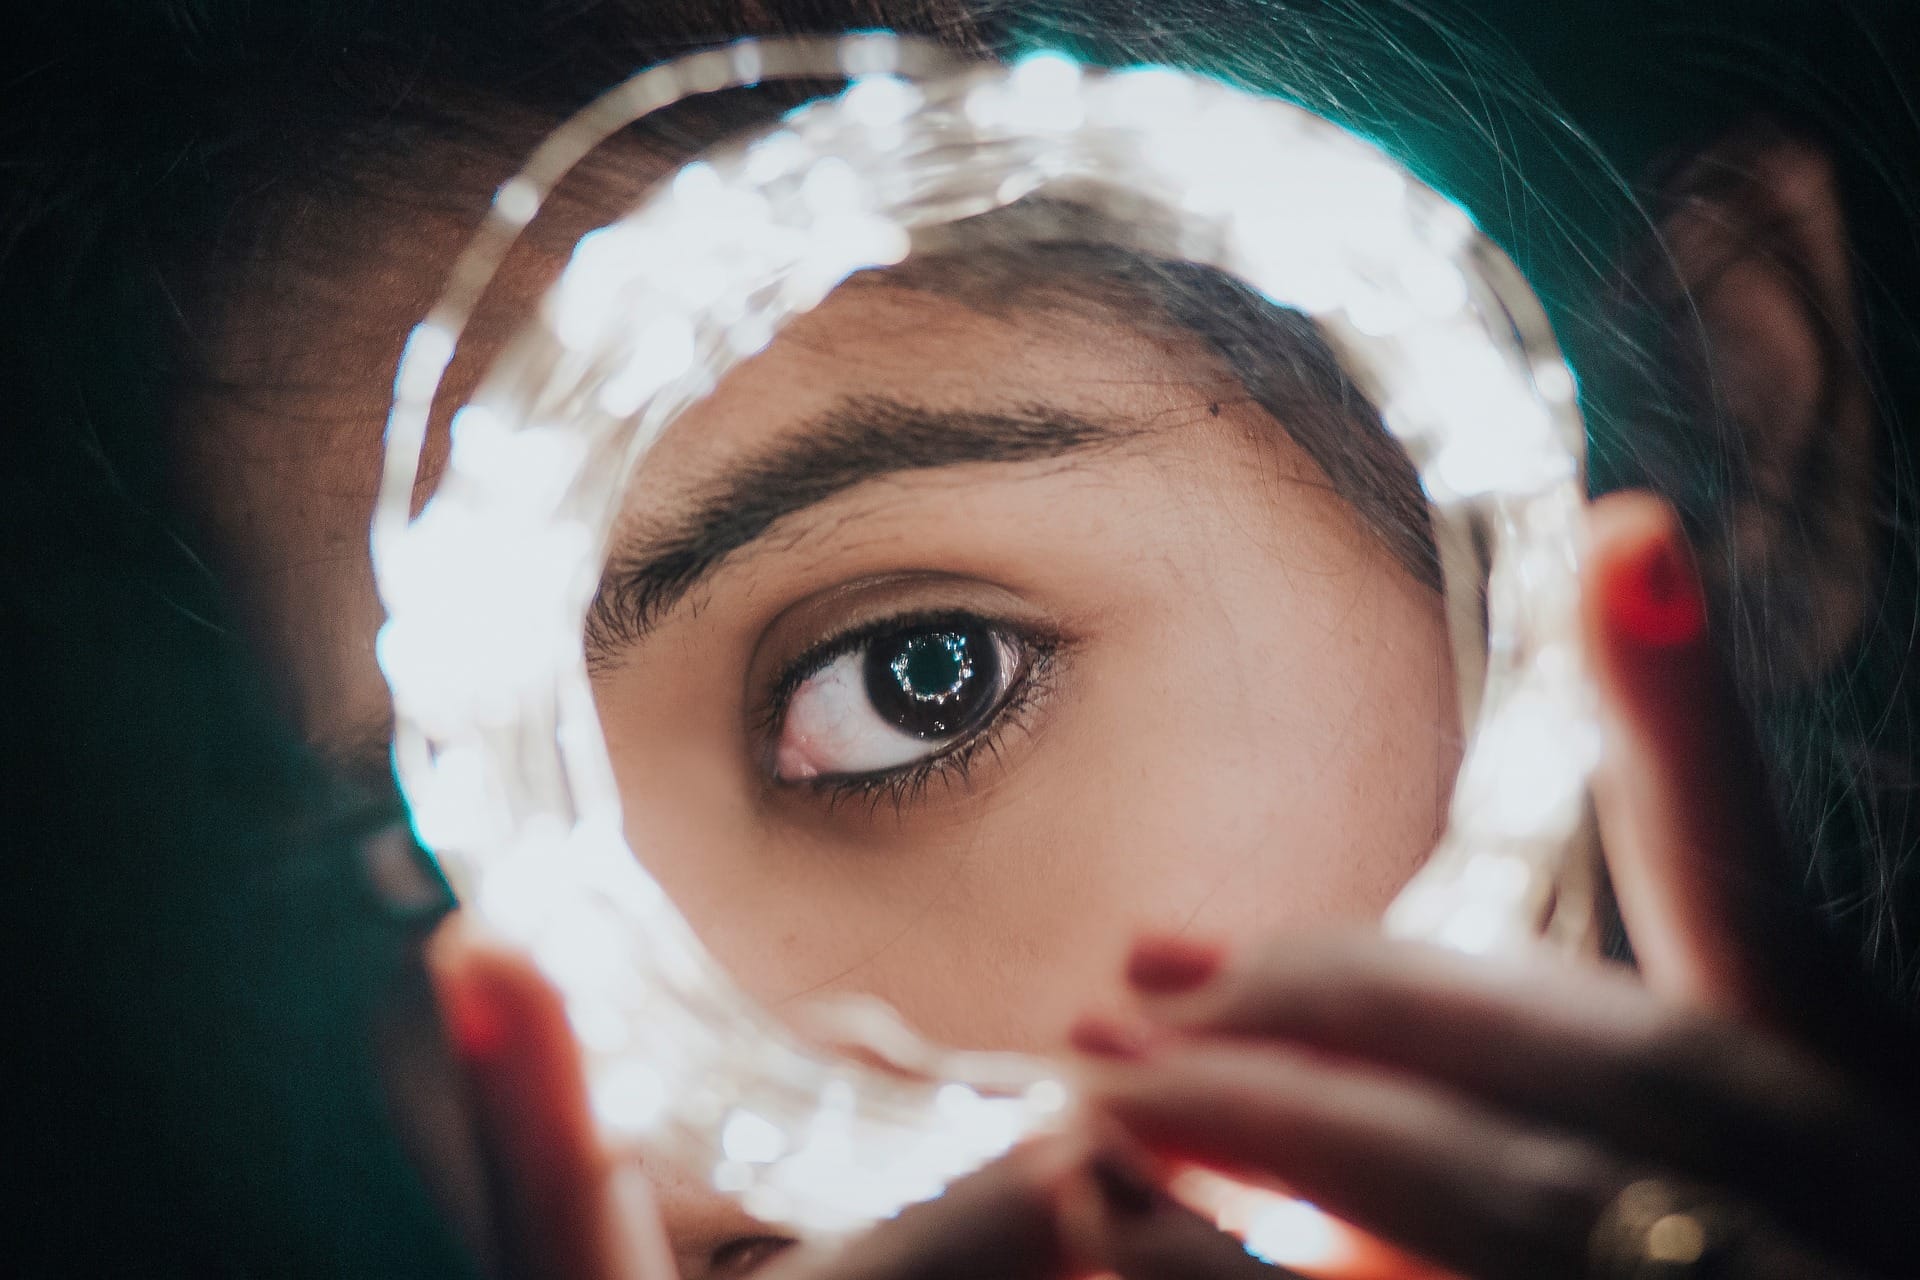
x=559 y=1207
x=1486 y=1116
x=1493 y=1117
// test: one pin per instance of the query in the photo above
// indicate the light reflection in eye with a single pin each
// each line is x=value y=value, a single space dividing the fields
x=896 y=696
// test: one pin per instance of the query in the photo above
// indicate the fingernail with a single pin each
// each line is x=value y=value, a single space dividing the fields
x=474 y=1026
x=1100 y=1036
x=1166 y=964
x=1657 y=599
x=1126 y=1192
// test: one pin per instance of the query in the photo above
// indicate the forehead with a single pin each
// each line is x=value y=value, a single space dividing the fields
x=898 y=341
x=308 y=305
x=278 y=446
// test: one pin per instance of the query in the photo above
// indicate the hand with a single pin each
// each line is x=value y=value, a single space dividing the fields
x=1488 y=1116
x=559 y=1207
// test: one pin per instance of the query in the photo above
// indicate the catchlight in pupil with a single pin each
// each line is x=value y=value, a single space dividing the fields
x=897 y=696
x=932 y=681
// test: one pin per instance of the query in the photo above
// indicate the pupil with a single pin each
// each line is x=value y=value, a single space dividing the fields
x=932 y=667
x=932 y=682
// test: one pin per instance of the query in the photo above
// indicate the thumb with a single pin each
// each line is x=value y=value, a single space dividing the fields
x=1698 y=860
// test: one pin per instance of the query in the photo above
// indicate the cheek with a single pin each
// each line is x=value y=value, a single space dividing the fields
x=1271 y=761
x=1246 y=778
x=1214 y=778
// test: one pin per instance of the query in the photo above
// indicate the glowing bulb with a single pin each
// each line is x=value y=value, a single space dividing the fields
x=663 y=350
x=1554 y=381
x=1274 y=1228
x=1047 y=1097
x=1045 y=94
x=629 y=1099
x=517 y=201
x=748 y=1138
x=698 y=188
x=832 y=187
x=423 y=361
x=1291 y=1233
x=882 y=101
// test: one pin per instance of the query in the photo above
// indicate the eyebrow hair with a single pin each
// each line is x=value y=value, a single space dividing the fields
x=857 y=440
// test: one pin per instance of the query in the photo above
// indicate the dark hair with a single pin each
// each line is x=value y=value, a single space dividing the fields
x=1042 y=253
x=189 y=873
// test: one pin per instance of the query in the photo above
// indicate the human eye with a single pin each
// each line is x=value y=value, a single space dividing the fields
x=896 y=704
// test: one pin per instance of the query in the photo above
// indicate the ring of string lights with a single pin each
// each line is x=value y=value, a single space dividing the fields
x=498 y=746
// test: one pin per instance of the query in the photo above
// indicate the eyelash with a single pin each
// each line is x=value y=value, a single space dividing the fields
x=902 y=786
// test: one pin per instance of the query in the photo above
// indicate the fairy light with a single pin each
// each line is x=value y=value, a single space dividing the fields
x=486 y=588
x=1286 y=1232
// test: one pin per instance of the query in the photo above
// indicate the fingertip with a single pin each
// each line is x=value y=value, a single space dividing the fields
x=1699 y=865
x=1641 y=575
x=1666 y=697
x=476 y=1024
x=489 y=989
x=1173 y=964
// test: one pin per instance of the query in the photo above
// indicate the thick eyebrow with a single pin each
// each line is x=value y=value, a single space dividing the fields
x=857 y=440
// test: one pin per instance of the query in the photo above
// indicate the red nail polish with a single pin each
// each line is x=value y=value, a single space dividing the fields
x=1657 y=599
x=1104 y=1037
x=1167 y=965
x=473 y=1025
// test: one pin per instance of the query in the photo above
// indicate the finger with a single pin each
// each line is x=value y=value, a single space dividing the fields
x=1586 y=1050
x=1465 y=1186
x=1705 y=879
x=560 y=1207
x=431 y=1109
x=1698 y=862
x=1003 y=1222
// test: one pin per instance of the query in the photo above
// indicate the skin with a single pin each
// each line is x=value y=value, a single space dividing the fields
x=1231 y=645
x=1230 y=639
x=1503 y=1110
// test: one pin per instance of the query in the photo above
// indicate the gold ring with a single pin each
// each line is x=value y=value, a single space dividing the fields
x=1657 y=1230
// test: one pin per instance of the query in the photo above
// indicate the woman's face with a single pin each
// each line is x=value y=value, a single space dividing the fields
x=945 y=648
x=1051 y=637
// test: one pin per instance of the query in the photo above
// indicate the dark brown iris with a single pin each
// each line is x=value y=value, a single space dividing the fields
x=933 y=681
